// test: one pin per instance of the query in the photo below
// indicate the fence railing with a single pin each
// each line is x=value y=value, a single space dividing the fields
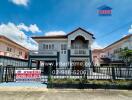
x=97 y=73
x=93 y=73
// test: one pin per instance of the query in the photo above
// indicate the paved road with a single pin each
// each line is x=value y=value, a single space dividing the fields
x=67 y=95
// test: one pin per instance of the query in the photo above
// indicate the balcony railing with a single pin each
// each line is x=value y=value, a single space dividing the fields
x=79 y=51
x=44 y=52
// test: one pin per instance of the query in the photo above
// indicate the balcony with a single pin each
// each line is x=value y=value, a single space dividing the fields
x=81 y=52
x=44 y=52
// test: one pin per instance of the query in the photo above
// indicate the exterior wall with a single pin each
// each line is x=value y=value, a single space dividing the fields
x=14 y=52
x=80 y=33
x=56 y=43
x=79 y=58
x=57 y=48
x=112 y=51
x=69 y=56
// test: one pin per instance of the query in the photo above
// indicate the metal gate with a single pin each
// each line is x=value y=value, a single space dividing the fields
x=9 y=74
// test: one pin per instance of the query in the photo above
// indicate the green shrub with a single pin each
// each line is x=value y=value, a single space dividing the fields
x=85 y=81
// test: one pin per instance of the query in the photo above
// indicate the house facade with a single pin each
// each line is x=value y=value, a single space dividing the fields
x=11 y=53
x=72 y=51
x=12 y=49
x=111 y=53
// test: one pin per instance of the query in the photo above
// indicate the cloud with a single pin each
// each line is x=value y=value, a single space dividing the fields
x=130 y=30
x=20 y=2
x=22 y=26
x=17 y=34
x=55 y=33
x=95 y=45
x=32 y=28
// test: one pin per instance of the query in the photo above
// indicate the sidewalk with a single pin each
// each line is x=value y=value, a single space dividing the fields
x=14 y=86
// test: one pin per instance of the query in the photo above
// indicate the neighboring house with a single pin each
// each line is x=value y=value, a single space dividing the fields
x=12 y=49
x=96 y=55
x=111 y=53
x=11 y=53
x=71 y=51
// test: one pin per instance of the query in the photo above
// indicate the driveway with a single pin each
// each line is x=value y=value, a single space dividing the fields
x=67 y=95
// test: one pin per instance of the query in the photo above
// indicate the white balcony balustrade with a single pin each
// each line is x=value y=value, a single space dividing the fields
x=44 y=52
x=79 y=51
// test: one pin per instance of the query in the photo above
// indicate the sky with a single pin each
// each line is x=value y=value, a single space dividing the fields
x=22 y=19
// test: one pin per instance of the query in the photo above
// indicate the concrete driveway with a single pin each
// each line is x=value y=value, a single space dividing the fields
x=66 y=95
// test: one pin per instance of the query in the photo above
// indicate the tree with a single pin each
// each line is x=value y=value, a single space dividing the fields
x=126 y=55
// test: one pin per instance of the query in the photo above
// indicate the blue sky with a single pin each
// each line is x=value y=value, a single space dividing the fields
x=63 y=16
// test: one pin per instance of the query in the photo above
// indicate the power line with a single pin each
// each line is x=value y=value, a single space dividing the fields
x=109 y=33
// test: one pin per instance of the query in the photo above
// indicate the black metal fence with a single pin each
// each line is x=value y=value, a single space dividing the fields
x=97 y=73
x=7 y=73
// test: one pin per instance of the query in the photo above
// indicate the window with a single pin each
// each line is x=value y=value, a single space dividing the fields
x=20 y=52
x=44 y=46
x=52 y=46
x=9 y=49
x=63 y=48
x=48 y=46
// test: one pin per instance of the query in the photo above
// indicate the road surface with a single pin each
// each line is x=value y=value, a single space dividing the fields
x=66 y=95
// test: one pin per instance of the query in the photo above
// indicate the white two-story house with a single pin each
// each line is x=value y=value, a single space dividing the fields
x=72 y=51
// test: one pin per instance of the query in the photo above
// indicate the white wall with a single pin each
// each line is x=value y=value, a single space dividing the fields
x=81 y=33
x=57 y=45
x=15 y=50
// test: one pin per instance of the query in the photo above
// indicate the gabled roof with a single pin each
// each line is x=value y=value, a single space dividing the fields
x=80 y=29
x=126 y=37
x=104 y=7
x=50 y=37
x=62 y=36
x=5 y=38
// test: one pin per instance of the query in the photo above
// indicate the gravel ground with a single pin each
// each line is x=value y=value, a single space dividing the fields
x=64 y=94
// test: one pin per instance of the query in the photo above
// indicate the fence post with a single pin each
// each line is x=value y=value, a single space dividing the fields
x=14 y=74
x=6 y=77
x=94 y=68
x=86 y=73
x=113 y=73
x=1 y=73
x=49 y=78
